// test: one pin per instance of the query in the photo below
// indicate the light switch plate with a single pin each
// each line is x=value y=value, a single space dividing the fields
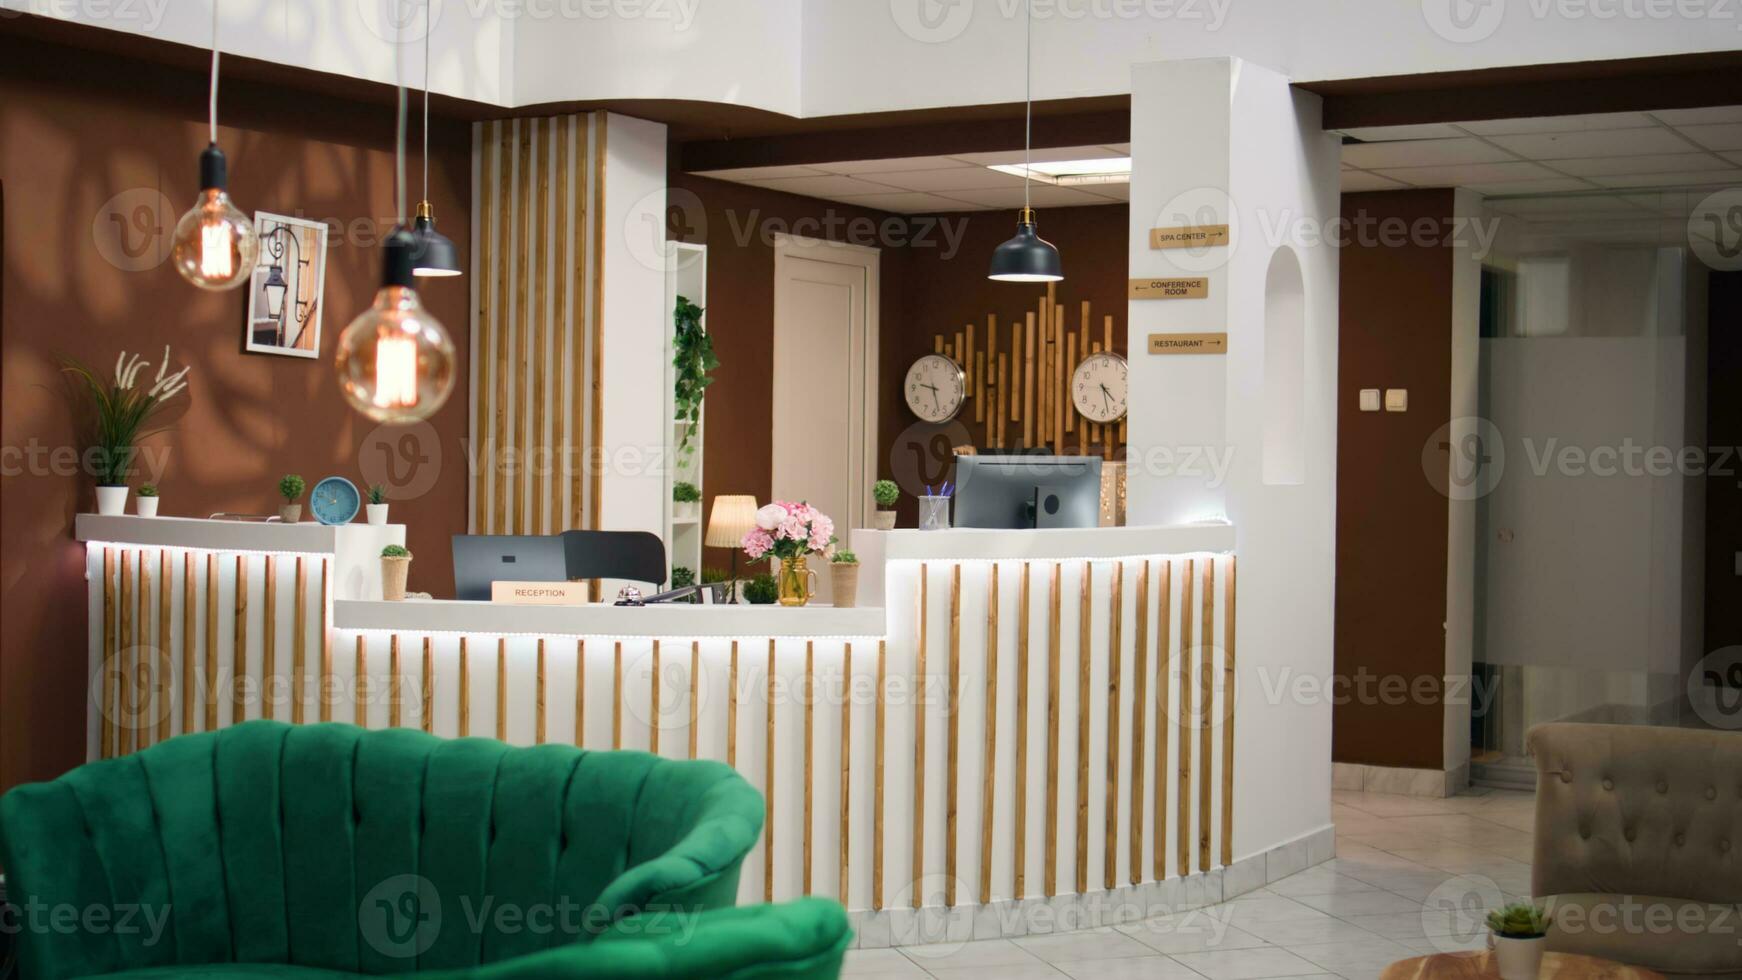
x=1397 y=399
x=1369 y=399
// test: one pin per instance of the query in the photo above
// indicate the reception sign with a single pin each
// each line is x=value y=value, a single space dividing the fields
x=1193 y=288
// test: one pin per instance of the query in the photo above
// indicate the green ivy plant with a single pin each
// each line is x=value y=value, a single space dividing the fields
x=695 y=363
x=1520 y=920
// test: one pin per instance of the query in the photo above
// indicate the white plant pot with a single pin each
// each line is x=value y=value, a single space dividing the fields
x=377 y=513
x=145 y=506
x=1517 y=959
x=111 y=500
x=883 y=520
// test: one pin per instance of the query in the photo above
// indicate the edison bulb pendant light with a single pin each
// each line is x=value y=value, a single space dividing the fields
x=215 y=245
x=395 y=361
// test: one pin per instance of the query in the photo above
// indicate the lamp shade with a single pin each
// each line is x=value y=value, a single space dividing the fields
x=732 y=517
x=1026 y=257
x=432 y=252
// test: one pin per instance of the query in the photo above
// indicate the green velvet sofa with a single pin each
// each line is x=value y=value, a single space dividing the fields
x=316 y=851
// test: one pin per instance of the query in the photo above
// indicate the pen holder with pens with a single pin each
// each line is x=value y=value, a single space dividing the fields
x=934 y=512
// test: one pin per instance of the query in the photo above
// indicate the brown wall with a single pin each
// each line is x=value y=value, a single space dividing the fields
x=1395 y=329
x=76 y=130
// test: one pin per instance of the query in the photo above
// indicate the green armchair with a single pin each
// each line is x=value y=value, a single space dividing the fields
x=272 y=850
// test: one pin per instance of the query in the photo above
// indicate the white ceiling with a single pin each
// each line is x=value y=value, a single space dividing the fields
x=1502 y=157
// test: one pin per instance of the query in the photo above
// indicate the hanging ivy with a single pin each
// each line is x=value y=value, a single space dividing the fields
x=695 y=363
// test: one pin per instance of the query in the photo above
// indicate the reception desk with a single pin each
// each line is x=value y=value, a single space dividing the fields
x=1016 y=732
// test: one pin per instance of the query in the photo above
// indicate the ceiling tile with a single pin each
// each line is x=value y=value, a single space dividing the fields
x=1582 y=204
x=1422 y=153
x=1112 y=192
x=1656 y=164
x=761 y=173
x=1720 y=136
x=1596 y=143
x=909 y=203
x=957 y=179
x=1355 y=181
x=1665 y=202
x=1707 y=178
x=1557 y=124
x=1554 y=185
x=1386 y=134
x=856 y=167
x=826 y=185
x=1696 y=117
x=1055 y=154
x=1463 y=176
x=1044 y=196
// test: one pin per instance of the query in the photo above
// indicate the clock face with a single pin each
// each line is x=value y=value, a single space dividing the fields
x=1099 y=386
x=935 y=388
x=334 y=500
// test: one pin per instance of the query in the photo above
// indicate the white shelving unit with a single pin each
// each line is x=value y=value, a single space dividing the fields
x=686 y=275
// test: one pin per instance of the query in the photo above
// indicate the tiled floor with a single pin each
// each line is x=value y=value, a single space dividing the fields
x=1410 y=877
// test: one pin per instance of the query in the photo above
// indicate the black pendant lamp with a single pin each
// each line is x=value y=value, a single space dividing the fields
x=433 y=253
x=1027 y=257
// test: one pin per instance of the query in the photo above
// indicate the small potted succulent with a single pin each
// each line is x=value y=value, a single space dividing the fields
x=395 y=569
x=887 y=494
x=762 y=590
x=683 y=577
x=844 y=578
x=377 y=507
x=688 y=500
x=145 y=501
x=291 y=488
x=1518 y=939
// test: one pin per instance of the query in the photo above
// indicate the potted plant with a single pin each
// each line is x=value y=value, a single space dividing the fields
x=682 y=577
x=718 y=581
x=1518 y=939
x=695 y=363
x=119 y=411
x=844 y=578
x=146 y=502
x=377 y=507
x=762 y=590
x=291 y=488
x=395 y=569
x=688 y=498
x=790 y=532
x=887 y=494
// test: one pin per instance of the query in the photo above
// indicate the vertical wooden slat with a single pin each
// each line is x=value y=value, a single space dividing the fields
x=427 y=706
x=846 y=763
x=560 y=127
x=165 y=685
x=520 y=425
x=1115 y=652
x=577 y=272
x=326 y=638
x=124 y=718
x=877 y=779
x=394 y=706
x=269 y=645
x=1139 y=727
x=1003 y=398
x=539 y=705
x=1061 y=381
x=768 y=783
x=189 y=639
x=810 y=737
x=144 y=684
x=502 y=689
x=1015 y=372
x=299 y=636
x=919 y=699
x=989 y=768
x=597 y=368
x=504 y=438
x=1164 y=716
x=654 y=696
x=109 y=662
x=695 y=688
x=1071 y=359
x=1228 y=679
x=1184 y=803
x=1206 y=694
x=486 y=263
x=362 y=683
x=1021 y=800
x=1049 y=871
x=465 y=725
x=580 y=691
x=617 y=696
x=539 y=335
x=732 y=707
x=1084 y=625
x=953 y=725
x=211 y=692
x=1028 y=384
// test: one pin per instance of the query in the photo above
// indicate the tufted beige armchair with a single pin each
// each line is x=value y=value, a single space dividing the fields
x=1639 y=845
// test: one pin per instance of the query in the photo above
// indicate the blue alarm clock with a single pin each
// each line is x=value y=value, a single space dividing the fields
x=335 y=500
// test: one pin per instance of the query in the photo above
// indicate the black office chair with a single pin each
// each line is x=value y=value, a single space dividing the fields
x=638 y=556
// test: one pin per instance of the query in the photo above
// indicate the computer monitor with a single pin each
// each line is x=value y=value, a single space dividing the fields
x=482 y=559
x=1028 y=491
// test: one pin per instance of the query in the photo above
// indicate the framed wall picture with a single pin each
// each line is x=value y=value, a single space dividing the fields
x=284 y=298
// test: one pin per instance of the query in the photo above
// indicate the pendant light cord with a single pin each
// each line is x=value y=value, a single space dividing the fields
x=428 y=28
x=399 y=133
x=1027 y=99
x=212 y=115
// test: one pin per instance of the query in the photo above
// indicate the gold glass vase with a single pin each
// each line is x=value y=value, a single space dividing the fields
x=797 y=582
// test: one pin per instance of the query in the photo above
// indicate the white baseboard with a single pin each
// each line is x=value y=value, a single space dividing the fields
x=1398 y=781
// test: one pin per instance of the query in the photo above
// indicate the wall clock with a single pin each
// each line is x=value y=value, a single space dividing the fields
x=335 y=500
x=1099 y=386
x=935 y=388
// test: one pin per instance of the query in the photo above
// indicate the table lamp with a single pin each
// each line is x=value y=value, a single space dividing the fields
x=732 y=517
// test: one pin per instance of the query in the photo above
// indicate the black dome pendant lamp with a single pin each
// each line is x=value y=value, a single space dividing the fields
x=1027 y=257
x=433 y=253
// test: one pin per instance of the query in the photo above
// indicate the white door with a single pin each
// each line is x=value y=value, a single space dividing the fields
x=825 y=410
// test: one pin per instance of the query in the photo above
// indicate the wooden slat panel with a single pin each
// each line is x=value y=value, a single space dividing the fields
x=269 y=645
x=1049 y=871
x=1021 y=801
x=465 y=724
x=597 y=368
x=166 y=677
x=1139 y=719
x=846 y=763
x=189 y=634
x=695 y=702
x=953 y=724
x=654 y=697
x=877 y=778
x=326 y=638
x=1207 y=687
x=732 y=708
x=109 y=663
x=502 y=420
x=394 y=691
x=539 y=707
x=211 y=692
x=580 y=691
x=1164 y=714
x=1084 y=625
x=810 y=737
x=502 y=689
x=487 y=258
x=123 y=655
x=919 y=700
x=538 y=334
x=362 y=683
x=1115 y=651
x=1228 y=679
x=520 y=426
x=1186 y=651
x=428 y=688
x=617 y=696
x=555 y=477
x=989 y=769
x=299 y=637
x=577 y=272
x=768 y=785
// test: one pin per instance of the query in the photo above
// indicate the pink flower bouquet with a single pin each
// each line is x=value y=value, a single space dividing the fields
x=789 y=530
